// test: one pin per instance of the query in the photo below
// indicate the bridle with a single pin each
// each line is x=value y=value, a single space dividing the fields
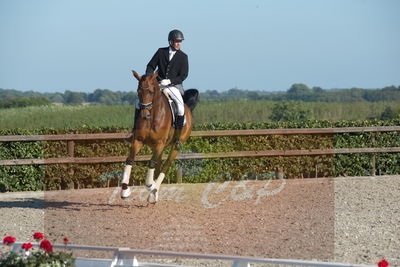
x=149 y=105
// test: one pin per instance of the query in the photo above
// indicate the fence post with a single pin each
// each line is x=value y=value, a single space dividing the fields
x=373 y=159
x=71 y=152
x=179 y=175
x=279 y=172
x=70 y=148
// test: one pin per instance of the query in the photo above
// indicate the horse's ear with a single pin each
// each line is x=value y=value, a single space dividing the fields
x=154 y=75
x=136 y=75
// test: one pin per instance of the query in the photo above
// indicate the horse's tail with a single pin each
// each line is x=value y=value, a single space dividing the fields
x=191 y=98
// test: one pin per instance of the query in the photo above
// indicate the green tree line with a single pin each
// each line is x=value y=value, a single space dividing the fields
x=21 y=102
x=107 y=97
x=301 y=92
x=297 y=92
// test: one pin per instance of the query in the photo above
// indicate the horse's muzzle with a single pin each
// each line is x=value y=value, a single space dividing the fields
x=146 y=114
x=146 y=117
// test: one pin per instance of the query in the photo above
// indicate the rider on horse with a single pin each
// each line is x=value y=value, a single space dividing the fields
x=153 y=119
x=173 y=67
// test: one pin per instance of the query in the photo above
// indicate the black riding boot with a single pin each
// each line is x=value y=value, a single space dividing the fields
x=178 y=131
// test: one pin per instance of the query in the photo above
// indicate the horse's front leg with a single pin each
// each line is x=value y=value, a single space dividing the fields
x=130 y=161
x=154 y=167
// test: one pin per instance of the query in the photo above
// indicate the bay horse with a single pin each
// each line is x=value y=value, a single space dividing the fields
x=155 y=129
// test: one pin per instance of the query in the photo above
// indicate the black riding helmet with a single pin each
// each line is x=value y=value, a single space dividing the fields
x=175 y=35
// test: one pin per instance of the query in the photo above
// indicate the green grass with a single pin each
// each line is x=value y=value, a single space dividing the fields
x=74 y=117
x=256 y=111
x=66 y=117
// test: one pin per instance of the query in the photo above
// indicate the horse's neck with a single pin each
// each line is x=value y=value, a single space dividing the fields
x=161 y=100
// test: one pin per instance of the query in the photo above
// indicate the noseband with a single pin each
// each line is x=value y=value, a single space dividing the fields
x=147 y=105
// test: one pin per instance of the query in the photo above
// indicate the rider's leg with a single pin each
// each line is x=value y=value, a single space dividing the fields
x=178 y=131
x=177 y=98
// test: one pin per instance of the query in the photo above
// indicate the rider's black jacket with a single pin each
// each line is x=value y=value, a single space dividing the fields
x=176 y=70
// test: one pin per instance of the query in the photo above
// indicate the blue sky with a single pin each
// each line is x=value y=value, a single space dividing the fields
x=82 y=45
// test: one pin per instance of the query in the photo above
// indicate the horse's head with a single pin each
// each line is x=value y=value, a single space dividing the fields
x=147 y=88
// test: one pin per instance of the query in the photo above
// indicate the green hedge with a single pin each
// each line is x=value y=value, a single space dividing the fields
x=68 y=176
x=21 y=178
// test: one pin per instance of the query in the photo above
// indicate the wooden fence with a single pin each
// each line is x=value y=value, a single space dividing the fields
x=71 y=138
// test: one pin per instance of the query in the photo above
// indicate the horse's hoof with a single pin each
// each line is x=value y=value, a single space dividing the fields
x=151 y=187
x=125 y=192
x=153 y=196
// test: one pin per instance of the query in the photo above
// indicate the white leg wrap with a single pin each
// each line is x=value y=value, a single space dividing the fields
x=125 y=180
x=150 y=176
x=150 y=185
x=126 y=193
x=160 y=180
x=153 y=196
x=127 y=174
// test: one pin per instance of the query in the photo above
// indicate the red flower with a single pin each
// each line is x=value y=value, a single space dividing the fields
x=66 y=240
x=9 y=240
x=27 y=246
x=383 y=263
x=38 y=236
x=46 y=245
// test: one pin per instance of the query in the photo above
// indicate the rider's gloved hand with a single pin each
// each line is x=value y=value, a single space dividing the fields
x=165 y=82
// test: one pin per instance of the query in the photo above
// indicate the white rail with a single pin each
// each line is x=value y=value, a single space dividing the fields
x=128 y=257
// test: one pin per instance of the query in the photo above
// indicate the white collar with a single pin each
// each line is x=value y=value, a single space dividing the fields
x=171 y=53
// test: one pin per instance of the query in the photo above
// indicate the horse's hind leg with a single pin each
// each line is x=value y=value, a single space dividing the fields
x=167 y=164
x=153 y=196
x=154 y=166
x=130 y=161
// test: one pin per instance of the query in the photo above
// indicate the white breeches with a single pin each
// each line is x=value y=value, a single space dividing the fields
x=176 y=97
